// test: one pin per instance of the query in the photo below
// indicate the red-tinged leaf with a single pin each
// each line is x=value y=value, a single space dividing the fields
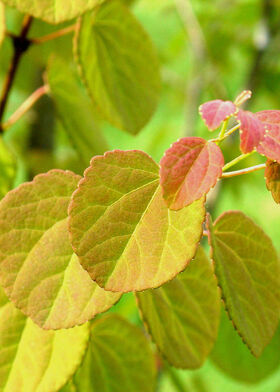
x=215 y=112
x=270 y=145
x=243 y=97
x=189 y=169
x=252 y=131
x=272 y=176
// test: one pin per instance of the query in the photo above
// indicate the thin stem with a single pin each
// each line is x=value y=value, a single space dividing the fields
x=52 y=36
x=177 y=383
x=237 y=160
x=223 y=130
x=228 y=133
x=21 y=44
x=27 y=105
x=244 y=171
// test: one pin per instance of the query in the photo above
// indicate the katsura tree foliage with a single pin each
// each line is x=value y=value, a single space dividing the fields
x=72 y=246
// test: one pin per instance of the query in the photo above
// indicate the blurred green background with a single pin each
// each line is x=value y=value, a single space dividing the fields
x=207 y=50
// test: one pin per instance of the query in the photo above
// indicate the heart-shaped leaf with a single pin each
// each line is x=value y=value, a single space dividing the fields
x=183 y=315
x=119 y=65
x=121 y=229
x=247 y=269
x=53 y=11
x=272 y=176
x=237 y=361
x=270 y=145
x=215 y=112
x=119 y=358
x=252 y=131
x=38 y=269
x=34 y=360
x=188 y=170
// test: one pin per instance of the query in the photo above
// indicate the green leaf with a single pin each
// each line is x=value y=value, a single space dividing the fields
x=7 y=168
x=118 y=359
x=237 y=361
x=119 y=65
x=53 y=11
x=75 y=111
x=38 y=269
x=247 y=268
x=2 y=23
x=34 y=360
x=183 y=315
x=121 y=228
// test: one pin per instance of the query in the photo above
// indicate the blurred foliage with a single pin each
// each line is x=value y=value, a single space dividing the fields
x=207 y=50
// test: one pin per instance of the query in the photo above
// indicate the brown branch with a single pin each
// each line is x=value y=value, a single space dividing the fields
x=21 y=44
x=54 y=35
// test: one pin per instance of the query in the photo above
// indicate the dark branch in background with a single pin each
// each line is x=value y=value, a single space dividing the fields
x=21 y=44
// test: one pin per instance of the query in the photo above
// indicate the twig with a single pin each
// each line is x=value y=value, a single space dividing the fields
x=244 y=171
x=21 y=44
x=237 y=160
x=27 y=105
x=56 y=34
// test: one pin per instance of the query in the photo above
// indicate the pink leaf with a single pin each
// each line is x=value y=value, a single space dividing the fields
x=270 y=145
x=252 y=131
x=188 y=170
x=215 y=112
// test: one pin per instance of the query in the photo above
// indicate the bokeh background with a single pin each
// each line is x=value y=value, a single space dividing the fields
x=207 y=50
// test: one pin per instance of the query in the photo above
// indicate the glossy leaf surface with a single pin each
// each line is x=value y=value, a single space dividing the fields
x=75 y=111
x=232 y=356
x=121 y=229
x=183 y=315
x=247 y=269
x=35 y=360
x=252 y=131
x=215 y=112
x=53 y=11
x=188 y=170
x=119 y=65
x=119 y=358
x=270 y=145
x=272 y=176
x=38 y=269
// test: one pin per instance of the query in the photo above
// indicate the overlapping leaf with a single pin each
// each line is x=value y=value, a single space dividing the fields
x=38 y=269
x=53 y=11
x=183 y=315
x=121 y=229
x=232 y=356
x=215 y=112
x=247 y=269
x=272 y=176
x=34 y=360
x=76 y=112
x=270 y=145
x=2 y=23
x=119 y=358
x=188 y=170
x=119 y=65
x=252 y=131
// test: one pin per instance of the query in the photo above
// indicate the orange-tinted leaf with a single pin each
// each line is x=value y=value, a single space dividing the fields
x=270 y=145
x=121 y=228
x=188 y=170
x=252 y=131
x=247 y=268
x=243 y=97
x=38 y=269
x=215 y=112
x=272 y=176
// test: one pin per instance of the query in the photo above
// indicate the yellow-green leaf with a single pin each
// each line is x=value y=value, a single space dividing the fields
x=34 y=360
x=38 y=269
x=2 y=23
x=183 y=315
x=247 y=268
x=75 y=111
x=237 y=361
x=118 y=359
x=53 y=11
x=121 y=228
x=119 y=65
